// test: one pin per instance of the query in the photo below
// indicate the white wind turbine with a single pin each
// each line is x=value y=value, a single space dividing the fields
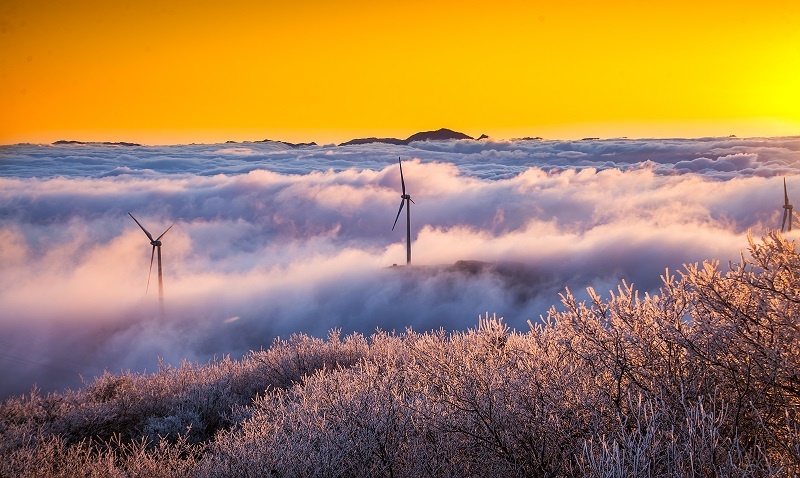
x=787 y=210
x=156 y=243
x=405 y=199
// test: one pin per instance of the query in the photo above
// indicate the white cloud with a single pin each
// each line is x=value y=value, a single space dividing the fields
x=290 y=240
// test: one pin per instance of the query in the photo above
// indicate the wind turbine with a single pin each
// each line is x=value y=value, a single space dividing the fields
x=787 y=209
x=405 y=199
x=156 y=243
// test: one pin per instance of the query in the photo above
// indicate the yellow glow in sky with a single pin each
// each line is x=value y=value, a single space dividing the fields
x=177 y=72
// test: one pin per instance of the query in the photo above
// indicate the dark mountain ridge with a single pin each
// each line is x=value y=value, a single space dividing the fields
x=441 y=134
x=93 y=143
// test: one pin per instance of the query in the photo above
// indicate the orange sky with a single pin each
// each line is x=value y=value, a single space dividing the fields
x=176 y=72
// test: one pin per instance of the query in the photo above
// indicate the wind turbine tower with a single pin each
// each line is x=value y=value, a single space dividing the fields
x=405 y=199
x=156 y=243
x=787 y=209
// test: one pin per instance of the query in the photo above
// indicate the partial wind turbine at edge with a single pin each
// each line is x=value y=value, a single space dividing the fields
x=787 y=210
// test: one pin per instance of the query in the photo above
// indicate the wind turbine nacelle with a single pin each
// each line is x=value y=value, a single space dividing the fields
x=405 y=196
x=787 y=206
x=155 y=243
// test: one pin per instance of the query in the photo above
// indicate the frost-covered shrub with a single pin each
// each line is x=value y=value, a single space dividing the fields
x=53 y=458
x=182 y=423
x=185 y=404
x=288 y=361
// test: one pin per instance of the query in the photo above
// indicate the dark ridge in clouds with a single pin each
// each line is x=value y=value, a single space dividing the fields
x=291 y=145
x=272 y=240
x=85 y=143
x=441 y=134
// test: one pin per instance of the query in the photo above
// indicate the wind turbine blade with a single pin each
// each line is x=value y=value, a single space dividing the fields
x=402 y=182
x=411 y=200
x=145 y=230
x=785 y=194
x=151 y=270
x=398 y=213
x=165 y=232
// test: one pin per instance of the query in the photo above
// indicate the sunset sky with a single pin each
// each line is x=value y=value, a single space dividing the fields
x=176 y=72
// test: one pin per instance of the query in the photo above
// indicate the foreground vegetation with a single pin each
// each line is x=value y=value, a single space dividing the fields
x=701 y=380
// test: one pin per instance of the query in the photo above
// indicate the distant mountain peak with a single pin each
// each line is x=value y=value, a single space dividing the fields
x=394 y=141
x=441 y=134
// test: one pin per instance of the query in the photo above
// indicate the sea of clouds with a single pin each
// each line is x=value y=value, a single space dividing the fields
x=272 y=240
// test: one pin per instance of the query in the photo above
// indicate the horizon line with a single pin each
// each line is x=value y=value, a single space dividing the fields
x=312 y=143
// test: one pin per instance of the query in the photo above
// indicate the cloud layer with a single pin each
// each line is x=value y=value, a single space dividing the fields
x=272 y=240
